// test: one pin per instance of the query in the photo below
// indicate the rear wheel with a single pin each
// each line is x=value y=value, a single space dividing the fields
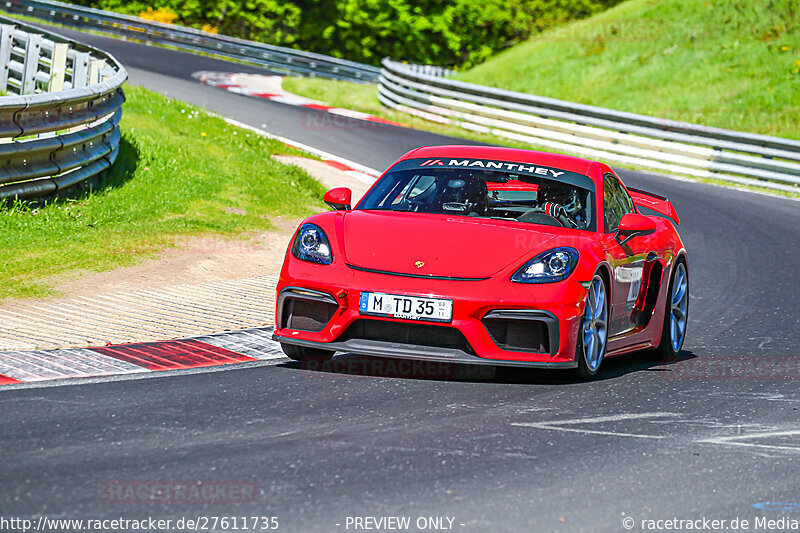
x=304 y=353
x=675 y=316
x=593 y=332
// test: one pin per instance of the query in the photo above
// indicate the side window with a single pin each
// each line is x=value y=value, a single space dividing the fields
x=616 y=202
x=417 y=186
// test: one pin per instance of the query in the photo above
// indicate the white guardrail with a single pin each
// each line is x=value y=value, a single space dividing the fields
x=59 y=113
x=273 y=57
x=596 y=133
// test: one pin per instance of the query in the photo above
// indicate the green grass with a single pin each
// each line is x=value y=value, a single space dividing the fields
x=724 y=63
x=180 y=173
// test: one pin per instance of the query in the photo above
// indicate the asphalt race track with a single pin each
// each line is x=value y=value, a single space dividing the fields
x=714 y=434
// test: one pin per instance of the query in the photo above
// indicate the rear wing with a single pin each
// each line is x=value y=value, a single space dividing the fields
x=655 y=202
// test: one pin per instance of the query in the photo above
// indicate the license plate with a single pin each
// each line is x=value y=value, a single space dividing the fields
x=407 y=307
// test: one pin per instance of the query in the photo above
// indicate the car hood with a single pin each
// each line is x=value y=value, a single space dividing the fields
x=451 y=246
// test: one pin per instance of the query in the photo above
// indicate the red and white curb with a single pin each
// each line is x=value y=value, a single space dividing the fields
x=360 y=172
x=244 y=346
x=269 y=88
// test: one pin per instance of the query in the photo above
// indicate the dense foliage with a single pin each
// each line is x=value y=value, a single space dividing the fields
x=458 y=33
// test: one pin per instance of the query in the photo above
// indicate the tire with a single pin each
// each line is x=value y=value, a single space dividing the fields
x=304 y=353
x=676 y=314
x=593 y=332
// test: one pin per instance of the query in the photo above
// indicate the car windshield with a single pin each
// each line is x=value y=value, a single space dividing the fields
x=486 y=194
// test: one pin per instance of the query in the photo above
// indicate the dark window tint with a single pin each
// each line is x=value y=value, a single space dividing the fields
x=484 y=194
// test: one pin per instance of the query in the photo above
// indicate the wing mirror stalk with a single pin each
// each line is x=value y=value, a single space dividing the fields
x=634 y=225
x=339 y=199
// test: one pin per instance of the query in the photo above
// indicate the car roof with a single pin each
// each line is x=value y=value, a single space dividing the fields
x=564 y=162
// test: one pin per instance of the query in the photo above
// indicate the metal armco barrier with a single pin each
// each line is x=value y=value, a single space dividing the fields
x=593 y=132
x=59 y=118
x=273 y=57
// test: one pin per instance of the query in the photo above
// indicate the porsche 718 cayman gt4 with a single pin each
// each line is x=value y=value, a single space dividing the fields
x=487 y=255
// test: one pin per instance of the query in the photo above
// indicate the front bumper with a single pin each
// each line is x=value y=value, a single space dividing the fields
x=416 y=352
x=558 y=307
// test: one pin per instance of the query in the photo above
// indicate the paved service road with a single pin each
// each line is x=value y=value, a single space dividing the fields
x=710 y=434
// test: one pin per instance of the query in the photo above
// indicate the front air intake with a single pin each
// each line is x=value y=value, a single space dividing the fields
x=523 y=331
x=305 y=310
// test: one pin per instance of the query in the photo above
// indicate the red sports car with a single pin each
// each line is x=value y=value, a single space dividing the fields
x=491 y=256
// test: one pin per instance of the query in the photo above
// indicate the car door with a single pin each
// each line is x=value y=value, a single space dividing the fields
x=628 y=261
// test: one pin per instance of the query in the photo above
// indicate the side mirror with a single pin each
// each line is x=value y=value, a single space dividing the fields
x=338 y=198
x=634 y=225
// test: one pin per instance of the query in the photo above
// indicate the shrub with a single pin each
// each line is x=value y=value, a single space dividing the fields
x=456 y=33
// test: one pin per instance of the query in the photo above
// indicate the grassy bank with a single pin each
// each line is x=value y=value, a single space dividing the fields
x=180 y=172
x=728 y=63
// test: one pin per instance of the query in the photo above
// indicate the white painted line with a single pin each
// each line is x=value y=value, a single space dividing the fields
x=243 y=90
x=349 y=113
x=590 y=431
x=735 y=440
x=289 y=99
x=613 y=418
x=310 y=149
x=360 y=176
x=558 y=425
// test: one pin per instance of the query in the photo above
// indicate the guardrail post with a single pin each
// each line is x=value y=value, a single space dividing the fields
x=33 y=50
x=80 y=70
x=95 y=66
x=6 y=43
x=58 y=67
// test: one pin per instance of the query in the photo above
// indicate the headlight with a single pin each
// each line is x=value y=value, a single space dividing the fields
x=548 y=267
x=311 y=244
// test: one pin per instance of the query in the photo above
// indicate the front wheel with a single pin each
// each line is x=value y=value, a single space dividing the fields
x=676 y=313
x=593 y=332
x=304 y=353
